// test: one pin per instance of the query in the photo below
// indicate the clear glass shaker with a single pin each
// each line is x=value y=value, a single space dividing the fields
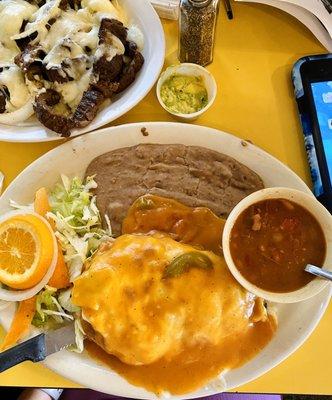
x=197 y=26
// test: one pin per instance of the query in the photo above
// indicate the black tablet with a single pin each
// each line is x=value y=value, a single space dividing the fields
x=312 y=78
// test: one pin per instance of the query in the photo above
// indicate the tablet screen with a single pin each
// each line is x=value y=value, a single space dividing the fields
x=322 y=95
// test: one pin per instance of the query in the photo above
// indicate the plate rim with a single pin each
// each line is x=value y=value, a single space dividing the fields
x=108 y=131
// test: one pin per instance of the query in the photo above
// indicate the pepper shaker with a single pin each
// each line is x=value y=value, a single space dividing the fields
x=197 y=26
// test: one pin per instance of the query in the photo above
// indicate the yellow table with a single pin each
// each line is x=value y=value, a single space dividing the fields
x=253 y=60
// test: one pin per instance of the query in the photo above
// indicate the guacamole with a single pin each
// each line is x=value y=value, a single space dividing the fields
x=184 y=94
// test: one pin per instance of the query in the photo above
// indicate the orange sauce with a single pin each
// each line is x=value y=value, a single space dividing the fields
x=193 y=367
x=195 y=226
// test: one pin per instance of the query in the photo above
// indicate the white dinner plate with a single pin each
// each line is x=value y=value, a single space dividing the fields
x=296 y=321
x=142 y=14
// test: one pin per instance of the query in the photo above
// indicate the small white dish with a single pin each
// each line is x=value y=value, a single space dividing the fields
x=307 y=201
x=190 y=70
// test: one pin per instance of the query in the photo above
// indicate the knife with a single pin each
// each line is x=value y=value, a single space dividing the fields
x=38 y=348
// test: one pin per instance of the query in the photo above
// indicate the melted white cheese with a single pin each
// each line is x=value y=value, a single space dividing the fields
x=69 y=23
x=65 y=50
x=6 y=55
x=117 y=48
x=13 y=79
x=12 y=14
x=102 y=6
x=136 y=35
x=72 y=91
x=88 y=39
x=39 y=19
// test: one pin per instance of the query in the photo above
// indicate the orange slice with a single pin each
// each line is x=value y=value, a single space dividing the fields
x=27 y=247
x=60 y=278
x=21 y=323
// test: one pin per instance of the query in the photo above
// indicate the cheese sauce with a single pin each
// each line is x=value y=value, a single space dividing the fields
x=173 y=334
x=196 y=226
x=12 y=14
x=13 y=80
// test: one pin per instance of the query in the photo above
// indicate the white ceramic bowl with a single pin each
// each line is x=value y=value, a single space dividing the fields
x=191 y=70
x=309 y=203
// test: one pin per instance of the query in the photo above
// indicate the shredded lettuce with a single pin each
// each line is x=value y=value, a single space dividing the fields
x=16 y=206
x=49 y=313
x=64 y=299
x=53 y=309
x=79 y=336
x=77 y=220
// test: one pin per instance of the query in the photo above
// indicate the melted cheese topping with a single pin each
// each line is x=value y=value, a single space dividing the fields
x=151 y=323
x=106 y=7
x=136 y=35
x=150 y=317
x=110 y=51
x=65 y=50
x=72 y=38
x=12 y=15
x=69 y=24
x=72 y=91
x=13 y=79
x=39 y=19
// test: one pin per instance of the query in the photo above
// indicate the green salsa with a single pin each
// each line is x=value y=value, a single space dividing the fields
x=184 y=94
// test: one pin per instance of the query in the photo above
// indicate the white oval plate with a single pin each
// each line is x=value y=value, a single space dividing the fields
x=142 y=14
x=296 y=321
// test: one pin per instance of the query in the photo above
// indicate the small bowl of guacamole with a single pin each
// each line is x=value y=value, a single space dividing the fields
x=186 y=91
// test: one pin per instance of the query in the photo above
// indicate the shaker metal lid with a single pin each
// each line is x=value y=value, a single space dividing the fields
x=199 y=3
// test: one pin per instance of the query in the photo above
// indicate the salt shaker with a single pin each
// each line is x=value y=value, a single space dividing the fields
x=197 y=26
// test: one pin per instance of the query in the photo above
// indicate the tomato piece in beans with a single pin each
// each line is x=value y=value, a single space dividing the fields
x=272 y=241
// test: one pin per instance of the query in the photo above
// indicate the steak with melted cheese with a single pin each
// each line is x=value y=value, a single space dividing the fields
x=73 y=56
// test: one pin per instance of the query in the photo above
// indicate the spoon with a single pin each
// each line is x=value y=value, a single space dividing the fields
x=322 y=273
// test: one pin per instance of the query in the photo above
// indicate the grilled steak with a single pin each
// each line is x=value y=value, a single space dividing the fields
x=88 y=107
x=2 y=102
x=44 y=109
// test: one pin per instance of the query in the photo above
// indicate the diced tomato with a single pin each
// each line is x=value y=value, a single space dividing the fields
x=247 y=260
x=276 y=255
x=289 y=224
